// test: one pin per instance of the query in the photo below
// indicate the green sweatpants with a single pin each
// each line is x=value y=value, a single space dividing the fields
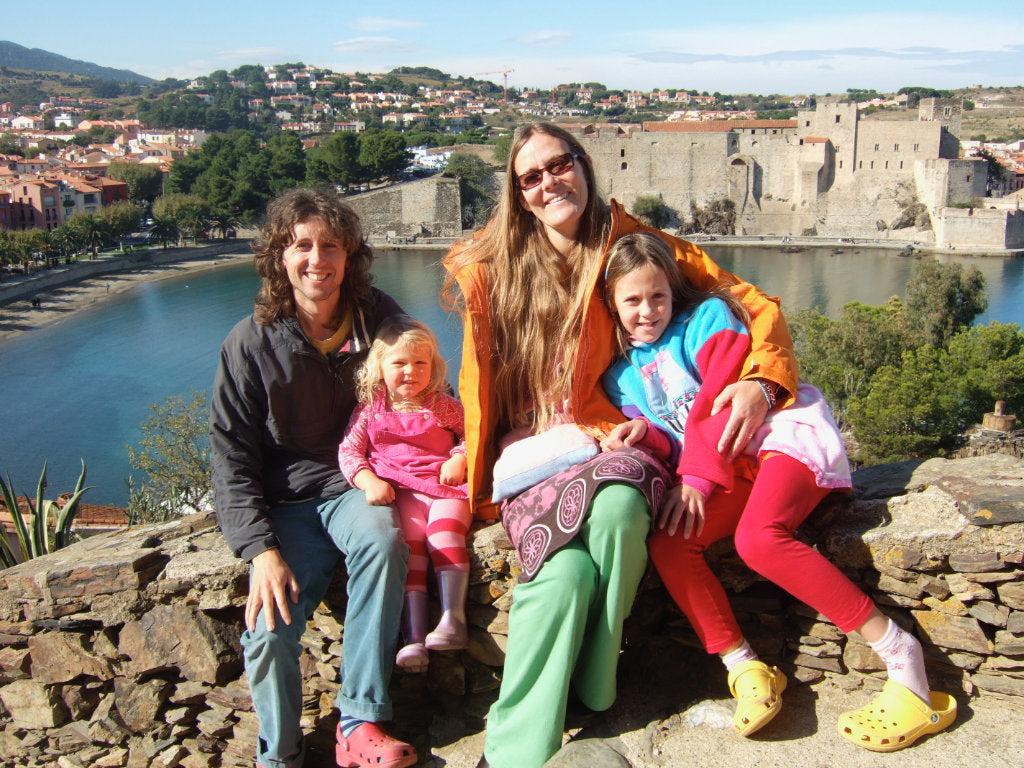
x=566 y=626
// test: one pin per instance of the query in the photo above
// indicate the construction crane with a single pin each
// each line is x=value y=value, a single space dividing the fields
x=504 y=73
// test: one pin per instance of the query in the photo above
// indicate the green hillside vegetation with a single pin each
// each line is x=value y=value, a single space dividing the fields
x=36 y=59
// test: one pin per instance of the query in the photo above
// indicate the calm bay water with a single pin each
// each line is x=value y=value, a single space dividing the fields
x=82 y=387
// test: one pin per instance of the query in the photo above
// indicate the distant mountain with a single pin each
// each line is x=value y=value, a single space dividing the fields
x=36 y=59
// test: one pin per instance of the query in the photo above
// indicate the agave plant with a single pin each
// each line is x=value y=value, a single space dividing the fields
x=34 y=539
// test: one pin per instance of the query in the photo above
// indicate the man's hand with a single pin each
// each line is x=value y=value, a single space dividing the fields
x=453 y=471
x=682 y=503
x=271 y=584
x=624 y=435
x=749 y=407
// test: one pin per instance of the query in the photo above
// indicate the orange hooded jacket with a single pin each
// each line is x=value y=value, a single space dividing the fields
x=771 y=355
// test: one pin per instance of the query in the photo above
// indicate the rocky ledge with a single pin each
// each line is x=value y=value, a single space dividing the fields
x=122 y=650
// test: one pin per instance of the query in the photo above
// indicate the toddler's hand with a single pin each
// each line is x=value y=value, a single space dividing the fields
x=379 y=493
x=453 y=471
x=624 y=435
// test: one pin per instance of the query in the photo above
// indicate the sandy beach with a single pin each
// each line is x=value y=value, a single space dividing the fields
x=61 y=302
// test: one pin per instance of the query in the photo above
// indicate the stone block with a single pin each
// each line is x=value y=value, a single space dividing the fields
x=951 y=606
x=1011 y=686
x=1012 y=594
x=488 y=649
x=961 y=660
x=58 y=657
x=988 y=503
x=32 y=705
x=1007 y=643
x=891 y=585
x=138 y=702
x=990 y=613
x=966 y=562
x=902 y=557
x=935 y=586
x=1015 y=622
x=948 y=631
x=14 y=664
x=966 y=590
x=860 y=657
x=177 y=637
x=824 y=664
x=234 y=695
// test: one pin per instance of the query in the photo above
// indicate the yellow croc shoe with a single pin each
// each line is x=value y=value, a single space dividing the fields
x=757 y=689
x=896 y=718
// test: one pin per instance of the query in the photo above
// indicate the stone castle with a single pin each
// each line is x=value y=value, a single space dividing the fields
x=827 y=173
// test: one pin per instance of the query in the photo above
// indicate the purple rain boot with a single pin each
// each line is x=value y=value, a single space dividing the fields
x=412 y=657
x=450 y=632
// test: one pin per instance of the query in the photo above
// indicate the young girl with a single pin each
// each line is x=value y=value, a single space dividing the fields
x=405 y=445
x=680 y=348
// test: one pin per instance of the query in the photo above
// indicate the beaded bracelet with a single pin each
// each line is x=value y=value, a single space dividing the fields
x=769 y=393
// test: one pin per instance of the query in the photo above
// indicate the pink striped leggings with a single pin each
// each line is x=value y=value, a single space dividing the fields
x=435 y=530
x=762 y=516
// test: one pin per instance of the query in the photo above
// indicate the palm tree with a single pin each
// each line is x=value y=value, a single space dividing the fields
x=193 y=220
x=164 y=229
x=92 y=230
x=223 y=220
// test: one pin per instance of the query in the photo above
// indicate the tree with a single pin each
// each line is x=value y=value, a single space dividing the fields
x=223 y=221
x=337 y=161
x=476 y=186
x=164 y=229
x=91 y=229
x=175 y=455
x=383 y=154
x=943 y=299
x=652 y=211
x=145 y=182
x=718 y=217
x=121 y=219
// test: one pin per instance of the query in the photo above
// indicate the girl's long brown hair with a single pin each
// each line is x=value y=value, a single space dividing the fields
x=639 y=249
x=536 y=295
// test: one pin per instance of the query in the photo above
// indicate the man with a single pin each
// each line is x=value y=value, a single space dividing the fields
x=282 y=397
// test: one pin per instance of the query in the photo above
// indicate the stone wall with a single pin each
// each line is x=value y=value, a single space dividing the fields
x=122 y=650
x=996 y=229
x=425 y=208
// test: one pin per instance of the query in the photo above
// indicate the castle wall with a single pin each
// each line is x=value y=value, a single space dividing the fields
x=986 y=227
x=891 y=147
x=425 y=208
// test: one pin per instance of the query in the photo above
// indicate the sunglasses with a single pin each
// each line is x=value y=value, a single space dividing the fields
x=558 y=166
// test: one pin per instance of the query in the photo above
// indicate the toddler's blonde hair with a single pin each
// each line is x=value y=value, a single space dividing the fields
x=400 y=331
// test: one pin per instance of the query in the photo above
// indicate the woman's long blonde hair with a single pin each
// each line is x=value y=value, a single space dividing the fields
x=399 y=331
x=537 y=296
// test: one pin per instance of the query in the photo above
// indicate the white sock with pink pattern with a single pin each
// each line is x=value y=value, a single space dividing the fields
x=904 y=659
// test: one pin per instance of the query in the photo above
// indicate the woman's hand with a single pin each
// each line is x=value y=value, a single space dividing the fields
x=378 y=492
x=453 y=471
x=271 y=585
x=749 y=408
x=624 y=435
x=682 y=502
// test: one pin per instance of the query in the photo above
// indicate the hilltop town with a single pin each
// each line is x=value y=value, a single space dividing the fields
x=861 y=164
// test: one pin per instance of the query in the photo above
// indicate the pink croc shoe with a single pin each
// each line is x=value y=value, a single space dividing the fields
x=369 y=747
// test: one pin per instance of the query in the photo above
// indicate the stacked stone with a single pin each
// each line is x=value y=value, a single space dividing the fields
x=122 y=650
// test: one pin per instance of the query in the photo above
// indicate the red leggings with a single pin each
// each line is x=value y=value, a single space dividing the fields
x=435 y=530
x=762 y=516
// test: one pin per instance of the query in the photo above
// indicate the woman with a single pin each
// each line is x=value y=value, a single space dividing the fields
x=537 y=339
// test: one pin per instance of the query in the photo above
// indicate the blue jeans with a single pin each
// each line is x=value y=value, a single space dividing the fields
x=313 y=535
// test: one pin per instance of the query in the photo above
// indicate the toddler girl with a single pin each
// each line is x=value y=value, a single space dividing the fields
x=681 y=347
x=405 y=445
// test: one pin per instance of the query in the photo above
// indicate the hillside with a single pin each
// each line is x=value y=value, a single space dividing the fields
x=14 y=55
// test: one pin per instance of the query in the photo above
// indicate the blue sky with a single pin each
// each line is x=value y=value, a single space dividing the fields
x=730 y=47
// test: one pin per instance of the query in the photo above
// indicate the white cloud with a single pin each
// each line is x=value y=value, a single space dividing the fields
x=374 y=45
x=380 y=24
x=545 y=38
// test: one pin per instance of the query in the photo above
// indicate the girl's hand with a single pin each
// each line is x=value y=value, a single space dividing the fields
x=624 y=435
x=453 y=471
x=378 y=492
x=749 y=409
x=682 y=502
